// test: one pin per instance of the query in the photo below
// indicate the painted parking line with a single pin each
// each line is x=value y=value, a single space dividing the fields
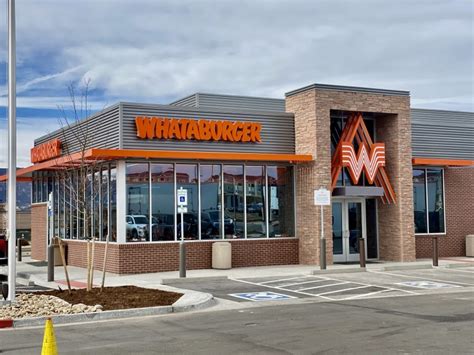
x=332 y=289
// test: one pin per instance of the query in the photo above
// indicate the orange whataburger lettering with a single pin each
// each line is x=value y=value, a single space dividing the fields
x=48 y=150
x=201 y=130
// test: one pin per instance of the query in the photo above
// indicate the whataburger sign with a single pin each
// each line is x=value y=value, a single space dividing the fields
x=201 y=130
x=369 y=158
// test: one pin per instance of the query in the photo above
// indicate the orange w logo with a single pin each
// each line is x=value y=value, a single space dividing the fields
x=370 y=162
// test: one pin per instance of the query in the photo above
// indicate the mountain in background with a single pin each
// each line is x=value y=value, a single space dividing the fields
x=23 y=192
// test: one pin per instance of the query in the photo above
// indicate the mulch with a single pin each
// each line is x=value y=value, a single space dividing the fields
x=122 y=297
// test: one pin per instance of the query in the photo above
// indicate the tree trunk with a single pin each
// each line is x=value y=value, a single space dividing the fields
x=88 y=264
x=63 y=258
x=92 y=264
x=105 y=262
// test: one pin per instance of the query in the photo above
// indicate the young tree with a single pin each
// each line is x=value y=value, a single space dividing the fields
x=80 y=180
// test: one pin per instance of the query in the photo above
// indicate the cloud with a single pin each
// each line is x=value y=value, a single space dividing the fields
x=158 y=51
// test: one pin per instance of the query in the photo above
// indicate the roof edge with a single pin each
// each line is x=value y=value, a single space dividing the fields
x=348 y=89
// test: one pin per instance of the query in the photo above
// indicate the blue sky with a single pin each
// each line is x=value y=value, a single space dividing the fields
x=158 y=51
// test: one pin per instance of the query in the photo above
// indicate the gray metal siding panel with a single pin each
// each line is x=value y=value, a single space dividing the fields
x=232 y=102
x=442 y=134
x=102 y=130
x=278 y=132
x=188 y=101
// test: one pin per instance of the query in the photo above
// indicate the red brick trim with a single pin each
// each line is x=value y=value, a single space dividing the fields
x=157 y=257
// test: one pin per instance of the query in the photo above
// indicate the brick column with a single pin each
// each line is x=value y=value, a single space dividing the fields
x=312 y=130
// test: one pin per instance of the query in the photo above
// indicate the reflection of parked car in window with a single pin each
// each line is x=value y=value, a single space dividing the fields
x=3 y=250
x=137 y=226
x=215 y=217
x=191 y=227
x=162 y=227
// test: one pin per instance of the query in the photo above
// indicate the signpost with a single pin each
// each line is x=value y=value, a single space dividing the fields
x=182 y=198
x=322 y=197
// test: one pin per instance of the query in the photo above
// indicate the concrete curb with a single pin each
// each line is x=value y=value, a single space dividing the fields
x=459 y=265
x=407 y=267
x=192 y=279
x=188 y=302
x=339 y=271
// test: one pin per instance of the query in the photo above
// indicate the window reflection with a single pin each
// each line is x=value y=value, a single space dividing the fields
x=187 y=178
x=419 y=200
x=234 y=199
x=137 y=202
x=435 y=200
x=162 y=210
x=281 y=201
x=211 y=201
x=255 y=197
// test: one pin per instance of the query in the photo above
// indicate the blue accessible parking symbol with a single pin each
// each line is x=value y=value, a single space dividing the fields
x=262 y=296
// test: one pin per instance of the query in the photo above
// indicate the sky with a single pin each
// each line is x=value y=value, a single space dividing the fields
x=157 y=51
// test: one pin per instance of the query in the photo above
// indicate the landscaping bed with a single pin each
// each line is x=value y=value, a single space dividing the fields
x=120 y=297
x=56 y=302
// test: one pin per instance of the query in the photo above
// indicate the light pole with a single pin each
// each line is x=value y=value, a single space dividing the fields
x=11 y=152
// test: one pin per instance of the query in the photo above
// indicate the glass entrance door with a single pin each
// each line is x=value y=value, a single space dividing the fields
x=348 y=225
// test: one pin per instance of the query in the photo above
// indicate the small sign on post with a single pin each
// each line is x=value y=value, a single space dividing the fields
x=322 y=197
x=182 y=199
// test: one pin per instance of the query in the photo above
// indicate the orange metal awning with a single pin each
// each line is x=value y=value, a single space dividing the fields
x=442 y=162
x=116 y=154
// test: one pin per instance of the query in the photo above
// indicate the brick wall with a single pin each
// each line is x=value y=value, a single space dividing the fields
x=39 y=230
x=312 y=109
x=459 y=194
x=135 y=258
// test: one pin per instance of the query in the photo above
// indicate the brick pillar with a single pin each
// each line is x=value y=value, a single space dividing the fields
x=39 y=230
x=312 y=128
x=396 y=225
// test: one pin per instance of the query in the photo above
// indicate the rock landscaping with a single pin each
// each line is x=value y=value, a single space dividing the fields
x=29 y=305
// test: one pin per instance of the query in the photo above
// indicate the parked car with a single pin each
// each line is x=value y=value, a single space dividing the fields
x=137 y=226
x=3 y=250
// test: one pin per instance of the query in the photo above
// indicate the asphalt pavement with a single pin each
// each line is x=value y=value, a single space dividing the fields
x=428 y=324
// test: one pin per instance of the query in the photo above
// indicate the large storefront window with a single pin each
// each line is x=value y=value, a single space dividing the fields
x=138 y=202
x=281 y=201
x=211 y=202
x=256 y=204
x=234 y=198
x=187 y=178
x=162 y=202
x=428 y=199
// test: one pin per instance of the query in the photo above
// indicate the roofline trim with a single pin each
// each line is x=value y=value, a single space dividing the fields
x=349 y=89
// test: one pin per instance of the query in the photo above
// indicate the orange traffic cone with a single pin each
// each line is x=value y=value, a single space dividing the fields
x=49 y=340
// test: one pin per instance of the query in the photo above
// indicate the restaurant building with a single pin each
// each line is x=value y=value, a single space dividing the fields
x=398 y=176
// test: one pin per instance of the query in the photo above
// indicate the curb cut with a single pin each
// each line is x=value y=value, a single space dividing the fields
x=208 y=300
x=339 y=271
x=407 y=267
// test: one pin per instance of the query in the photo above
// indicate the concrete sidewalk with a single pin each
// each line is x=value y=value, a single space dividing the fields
x=31 y=271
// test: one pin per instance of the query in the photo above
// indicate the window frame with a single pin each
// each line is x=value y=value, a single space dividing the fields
x=425 y=170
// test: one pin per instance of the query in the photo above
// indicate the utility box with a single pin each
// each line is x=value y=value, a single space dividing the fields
x=221 y=255
x=470 y=245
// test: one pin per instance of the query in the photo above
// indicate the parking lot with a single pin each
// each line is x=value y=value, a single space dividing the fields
x=337 y=286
